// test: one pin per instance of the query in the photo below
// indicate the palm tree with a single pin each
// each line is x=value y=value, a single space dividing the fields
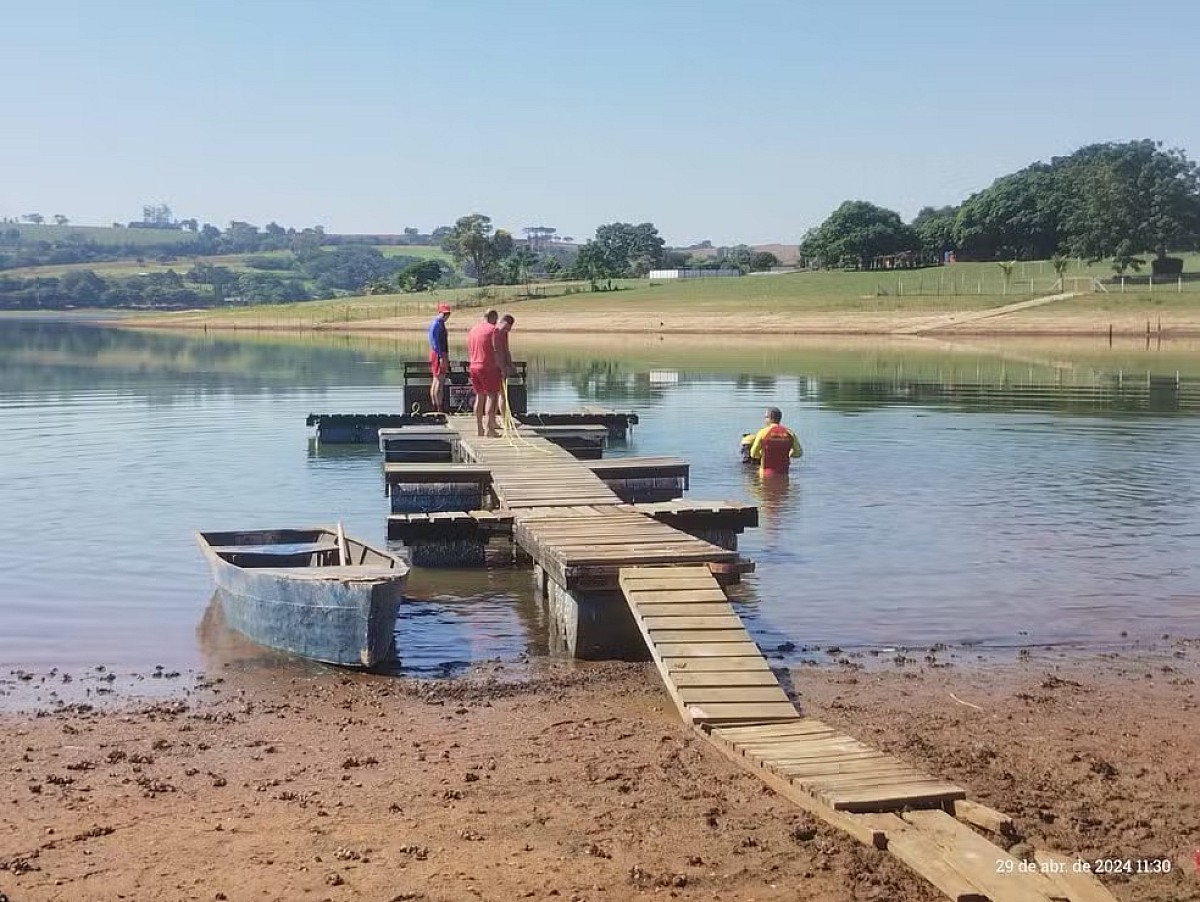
x=1060 y=264
x=1006 y=267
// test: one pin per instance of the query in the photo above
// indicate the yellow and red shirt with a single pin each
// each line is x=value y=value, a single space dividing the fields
x=774 y=446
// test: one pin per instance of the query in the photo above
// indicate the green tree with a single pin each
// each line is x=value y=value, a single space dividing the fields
x=477 y=246
x=82 y=286
x=1017 y=217
x=61 y=220
x=935 y=229
x=856 y=232
x=739 y=257
x=519 y=265
x=629 y=249
x=420 y=276
x=594 y=264
x=1131 y=198
x=763 y=261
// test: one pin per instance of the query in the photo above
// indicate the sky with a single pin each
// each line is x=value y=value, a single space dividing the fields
x=734 y=122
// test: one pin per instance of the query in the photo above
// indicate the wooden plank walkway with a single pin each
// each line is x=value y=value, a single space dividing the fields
x=716 y=674
x=586 y=546
x=530 y=471
x=724 y=687
x=712 y=669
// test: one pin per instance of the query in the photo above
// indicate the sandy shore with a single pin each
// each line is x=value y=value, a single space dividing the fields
x=573 y=782
x=565 y=318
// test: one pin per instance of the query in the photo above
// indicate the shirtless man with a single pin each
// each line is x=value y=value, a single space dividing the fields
x=485 y=374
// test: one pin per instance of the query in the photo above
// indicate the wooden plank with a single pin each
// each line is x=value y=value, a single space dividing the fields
x=723 y=637
x=921 y=795
x=775 y=745
x=782 y=754
x=855 y=825
x=743 y=711
x=980 y=860
x=621 y=557
x=1074 y=885
x=832 y=762
x=737 y=664
x=684 y=611
x=982 y=816
x=576 y=544
x=707 y=694
x=897 y=778
x=728 y=621
x=720 y=678
x=808 y=724
x=924 y=857
x=655 y=575
x=670 y=578
x=803 y=748
x=709 y=650
x=642 y=598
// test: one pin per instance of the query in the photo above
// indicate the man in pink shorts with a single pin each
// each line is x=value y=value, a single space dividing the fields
x=439 y=357
x=485 y=373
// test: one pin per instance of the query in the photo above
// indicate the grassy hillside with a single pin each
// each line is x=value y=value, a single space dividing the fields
x=102 y=235
x=422 y=251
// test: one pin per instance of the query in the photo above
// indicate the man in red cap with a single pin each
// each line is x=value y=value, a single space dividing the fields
x=439 y=356
x=485 y=373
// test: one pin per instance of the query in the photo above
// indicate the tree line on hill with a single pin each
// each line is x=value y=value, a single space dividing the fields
x=308 y=275
x=1115 y=201
x=618 y=250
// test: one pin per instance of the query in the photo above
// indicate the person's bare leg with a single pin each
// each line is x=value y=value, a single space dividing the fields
x=480 y=406
x=493 y=428
x=435 y=393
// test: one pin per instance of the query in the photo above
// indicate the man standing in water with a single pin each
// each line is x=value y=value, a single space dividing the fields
x=775 y=445
x=485 y=374
x=439 y=356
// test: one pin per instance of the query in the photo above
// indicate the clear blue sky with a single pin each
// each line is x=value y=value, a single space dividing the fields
x=729 y=121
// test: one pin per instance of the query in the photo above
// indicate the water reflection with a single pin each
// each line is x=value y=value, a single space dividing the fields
x=773 y=495
x=944 y=495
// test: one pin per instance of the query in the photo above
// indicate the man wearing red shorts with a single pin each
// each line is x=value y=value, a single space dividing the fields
x=485 y=373
x=439 y=356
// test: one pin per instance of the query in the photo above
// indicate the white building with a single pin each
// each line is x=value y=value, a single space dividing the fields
x=694 y=273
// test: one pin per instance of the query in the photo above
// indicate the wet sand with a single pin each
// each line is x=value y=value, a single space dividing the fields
x=570 y=781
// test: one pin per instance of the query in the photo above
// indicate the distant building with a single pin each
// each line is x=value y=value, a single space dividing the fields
x=694 y=273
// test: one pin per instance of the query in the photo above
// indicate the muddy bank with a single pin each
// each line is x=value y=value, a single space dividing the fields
x=575 y=783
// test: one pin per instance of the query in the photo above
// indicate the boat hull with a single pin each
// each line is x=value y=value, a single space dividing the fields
x=344 y=615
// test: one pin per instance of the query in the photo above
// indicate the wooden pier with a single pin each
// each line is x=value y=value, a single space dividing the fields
x=619 y=576
x=363 y=428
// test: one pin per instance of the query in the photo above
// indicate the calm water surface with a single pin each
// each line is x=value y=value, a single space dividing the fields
x=954 y=498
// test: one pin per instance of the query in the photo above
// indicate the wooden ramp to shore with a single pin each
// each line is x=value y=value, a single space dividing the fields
x=724 y=687
x=718 y=677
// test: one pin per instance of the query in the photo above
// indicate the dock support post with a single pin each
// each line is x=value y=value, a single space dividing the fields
x=593 y=626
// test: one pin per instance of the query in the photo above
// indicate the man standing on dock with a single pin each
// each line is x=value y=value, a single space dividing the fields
x=504 y=361
x=485 y=373
x=775 y=445
x=439 y=356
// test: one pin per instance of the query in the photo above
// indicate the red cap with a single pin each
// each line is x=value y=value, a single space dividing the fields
x=443 y=308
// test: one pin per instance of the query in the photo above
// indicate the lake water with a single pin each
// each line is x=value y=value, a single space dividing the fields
x=967 y=497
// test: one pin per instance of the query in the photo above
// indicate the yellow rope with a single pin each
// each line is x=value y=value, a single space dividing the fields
x=510 y=426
